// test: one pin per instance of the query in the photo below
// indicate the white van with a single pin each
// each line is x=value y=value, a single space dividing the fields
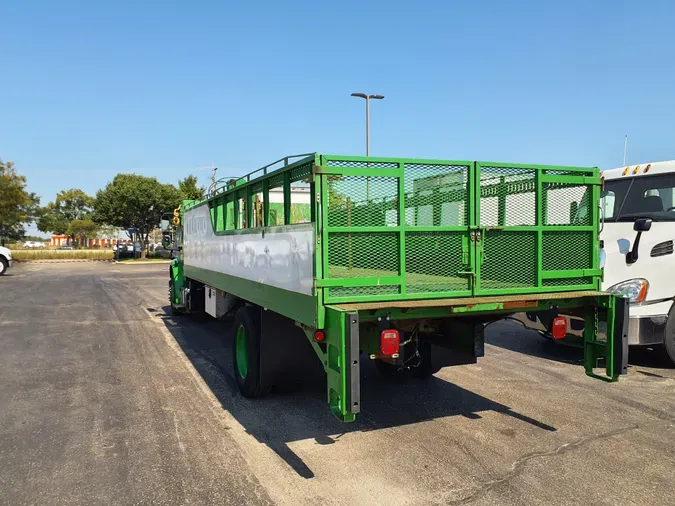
x=638 y=264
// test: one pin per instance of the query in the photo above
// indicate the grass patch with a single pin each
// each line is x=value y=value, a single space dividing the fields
x=76 y=254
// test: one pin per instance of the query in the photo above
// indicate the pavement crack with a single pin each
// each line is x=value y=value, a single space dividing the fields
x=519 y=465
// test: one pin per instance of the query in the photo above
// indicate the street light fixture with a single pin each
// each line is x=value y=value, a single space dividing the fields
x=368 y=98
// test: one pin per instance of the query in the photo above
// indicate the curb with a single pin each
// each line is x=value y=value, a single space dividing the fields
x=61 y=261
x=142 y=262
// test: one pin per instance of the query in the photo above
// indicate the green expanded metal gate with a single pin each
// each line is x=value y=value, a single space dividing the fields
x=397 y=229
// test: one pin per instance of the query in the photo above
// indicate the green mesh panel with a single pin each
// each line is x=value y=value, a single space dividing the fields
x=567 y=250
x=559 y=199
x=363 y=255
x=510 y=260
x=439 y=195
x=361 y=291
x=568 y=282
x=432 y=261
x=361 y=164
x=507 y=196
x=302 y=173
x=276 y=181
x=436 y=195
x=362 y=201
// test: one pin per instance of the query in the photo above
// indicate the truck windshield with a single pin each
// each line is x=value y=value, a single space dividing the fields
x=639 y=197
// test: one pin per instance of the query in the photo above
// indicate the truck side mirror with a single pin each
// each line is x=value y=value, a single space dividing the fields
x=166 y=240
x=574 y=208
x=165 y=225
x=640 y=225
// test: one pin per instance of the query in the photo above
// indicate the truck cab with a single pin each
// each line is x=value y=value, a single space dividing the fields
x=637 y=209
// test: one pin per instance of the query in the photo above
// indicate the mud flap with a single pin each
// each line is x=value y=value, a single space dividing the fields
x=621 y=323
x=613 y=349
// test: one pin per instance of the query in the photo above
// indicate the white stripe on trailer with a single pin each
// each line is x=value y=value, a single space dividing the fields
x=280 y=259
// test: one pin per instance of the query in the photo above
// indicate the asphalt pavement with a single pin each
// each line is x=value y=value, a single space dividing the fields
x=107 y=399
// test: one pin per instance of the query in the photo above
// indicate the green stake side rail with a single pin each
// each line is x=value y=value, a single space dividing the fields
x=434 y=248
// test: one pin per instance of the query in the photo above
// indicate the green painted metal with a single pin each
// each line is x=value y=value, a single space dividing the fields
x=412 y=230
x=241 y=351
x=299 y=307
x=177 y=281
x=336 y=357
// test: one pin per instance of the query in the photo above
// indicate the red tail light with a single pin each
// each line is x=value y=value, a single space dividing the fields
x=320 y=336
x=389 y=341
x=559 y=328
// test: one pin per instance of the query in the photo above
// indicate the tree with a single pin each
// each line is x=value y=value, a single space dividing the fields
x=56 y=217
x=17 y=206
x=84 y=229
x=135 y=203
x=189 y=190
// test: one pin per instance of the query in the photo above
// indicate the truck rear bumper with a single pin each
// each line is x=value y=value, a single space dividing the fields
x=642 y=330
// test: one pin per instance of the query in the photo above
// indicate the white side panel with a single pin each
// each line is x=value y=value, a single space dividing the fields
x=281 y=259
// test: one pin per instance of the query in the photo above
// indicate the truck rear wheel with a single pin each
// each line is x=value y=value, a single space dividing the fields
x=246 y=353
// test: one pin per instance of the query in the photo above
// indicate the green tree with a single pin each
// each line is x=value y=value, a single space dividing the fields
x=189 y=189
x=17 y=205
x=56 y=217
x=85 y=229
x=135 y=203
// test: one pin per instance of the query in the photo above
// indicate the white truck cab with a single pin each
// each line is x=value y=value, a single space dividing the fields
x=5 y=260
x=638 y=213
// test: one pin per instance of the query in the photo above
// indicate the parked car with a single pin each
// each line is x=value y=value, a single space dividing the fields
x=33 y=244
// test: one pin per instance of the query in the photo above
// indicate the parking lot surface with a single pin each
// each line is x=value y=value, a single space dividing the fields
x=107 y=399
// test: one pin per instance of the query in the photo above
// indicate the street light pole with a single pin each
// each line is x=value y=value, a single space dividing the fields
x=368 y=98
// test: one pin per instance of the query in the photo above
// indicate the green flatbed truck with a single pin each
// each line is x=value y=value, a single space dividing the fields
x=400 y=261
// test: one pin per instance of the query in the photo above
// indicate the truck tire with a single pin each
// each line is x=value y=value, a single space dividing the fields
x=246 y=345
x=4 y=265
x=669 y=337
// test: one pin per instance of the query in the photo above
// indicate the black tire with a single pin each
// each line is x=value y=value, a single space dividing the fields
x=4 y=266
x=246 y=344
x=669 y=335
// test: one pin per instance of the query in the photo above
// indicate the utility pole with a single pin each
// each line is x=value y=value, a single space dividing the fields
x=625 y=148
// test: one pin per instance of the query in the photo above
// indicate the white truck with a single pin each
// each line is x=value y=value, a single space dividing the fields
x=5 y=260
x=638 y=214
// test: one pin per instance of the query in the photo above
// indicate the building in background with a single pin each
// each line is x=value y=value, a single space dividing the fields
x=106 y=241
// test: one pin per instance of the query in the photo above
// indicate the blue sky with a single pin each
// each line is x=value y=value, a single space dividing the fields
x=90 y=89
